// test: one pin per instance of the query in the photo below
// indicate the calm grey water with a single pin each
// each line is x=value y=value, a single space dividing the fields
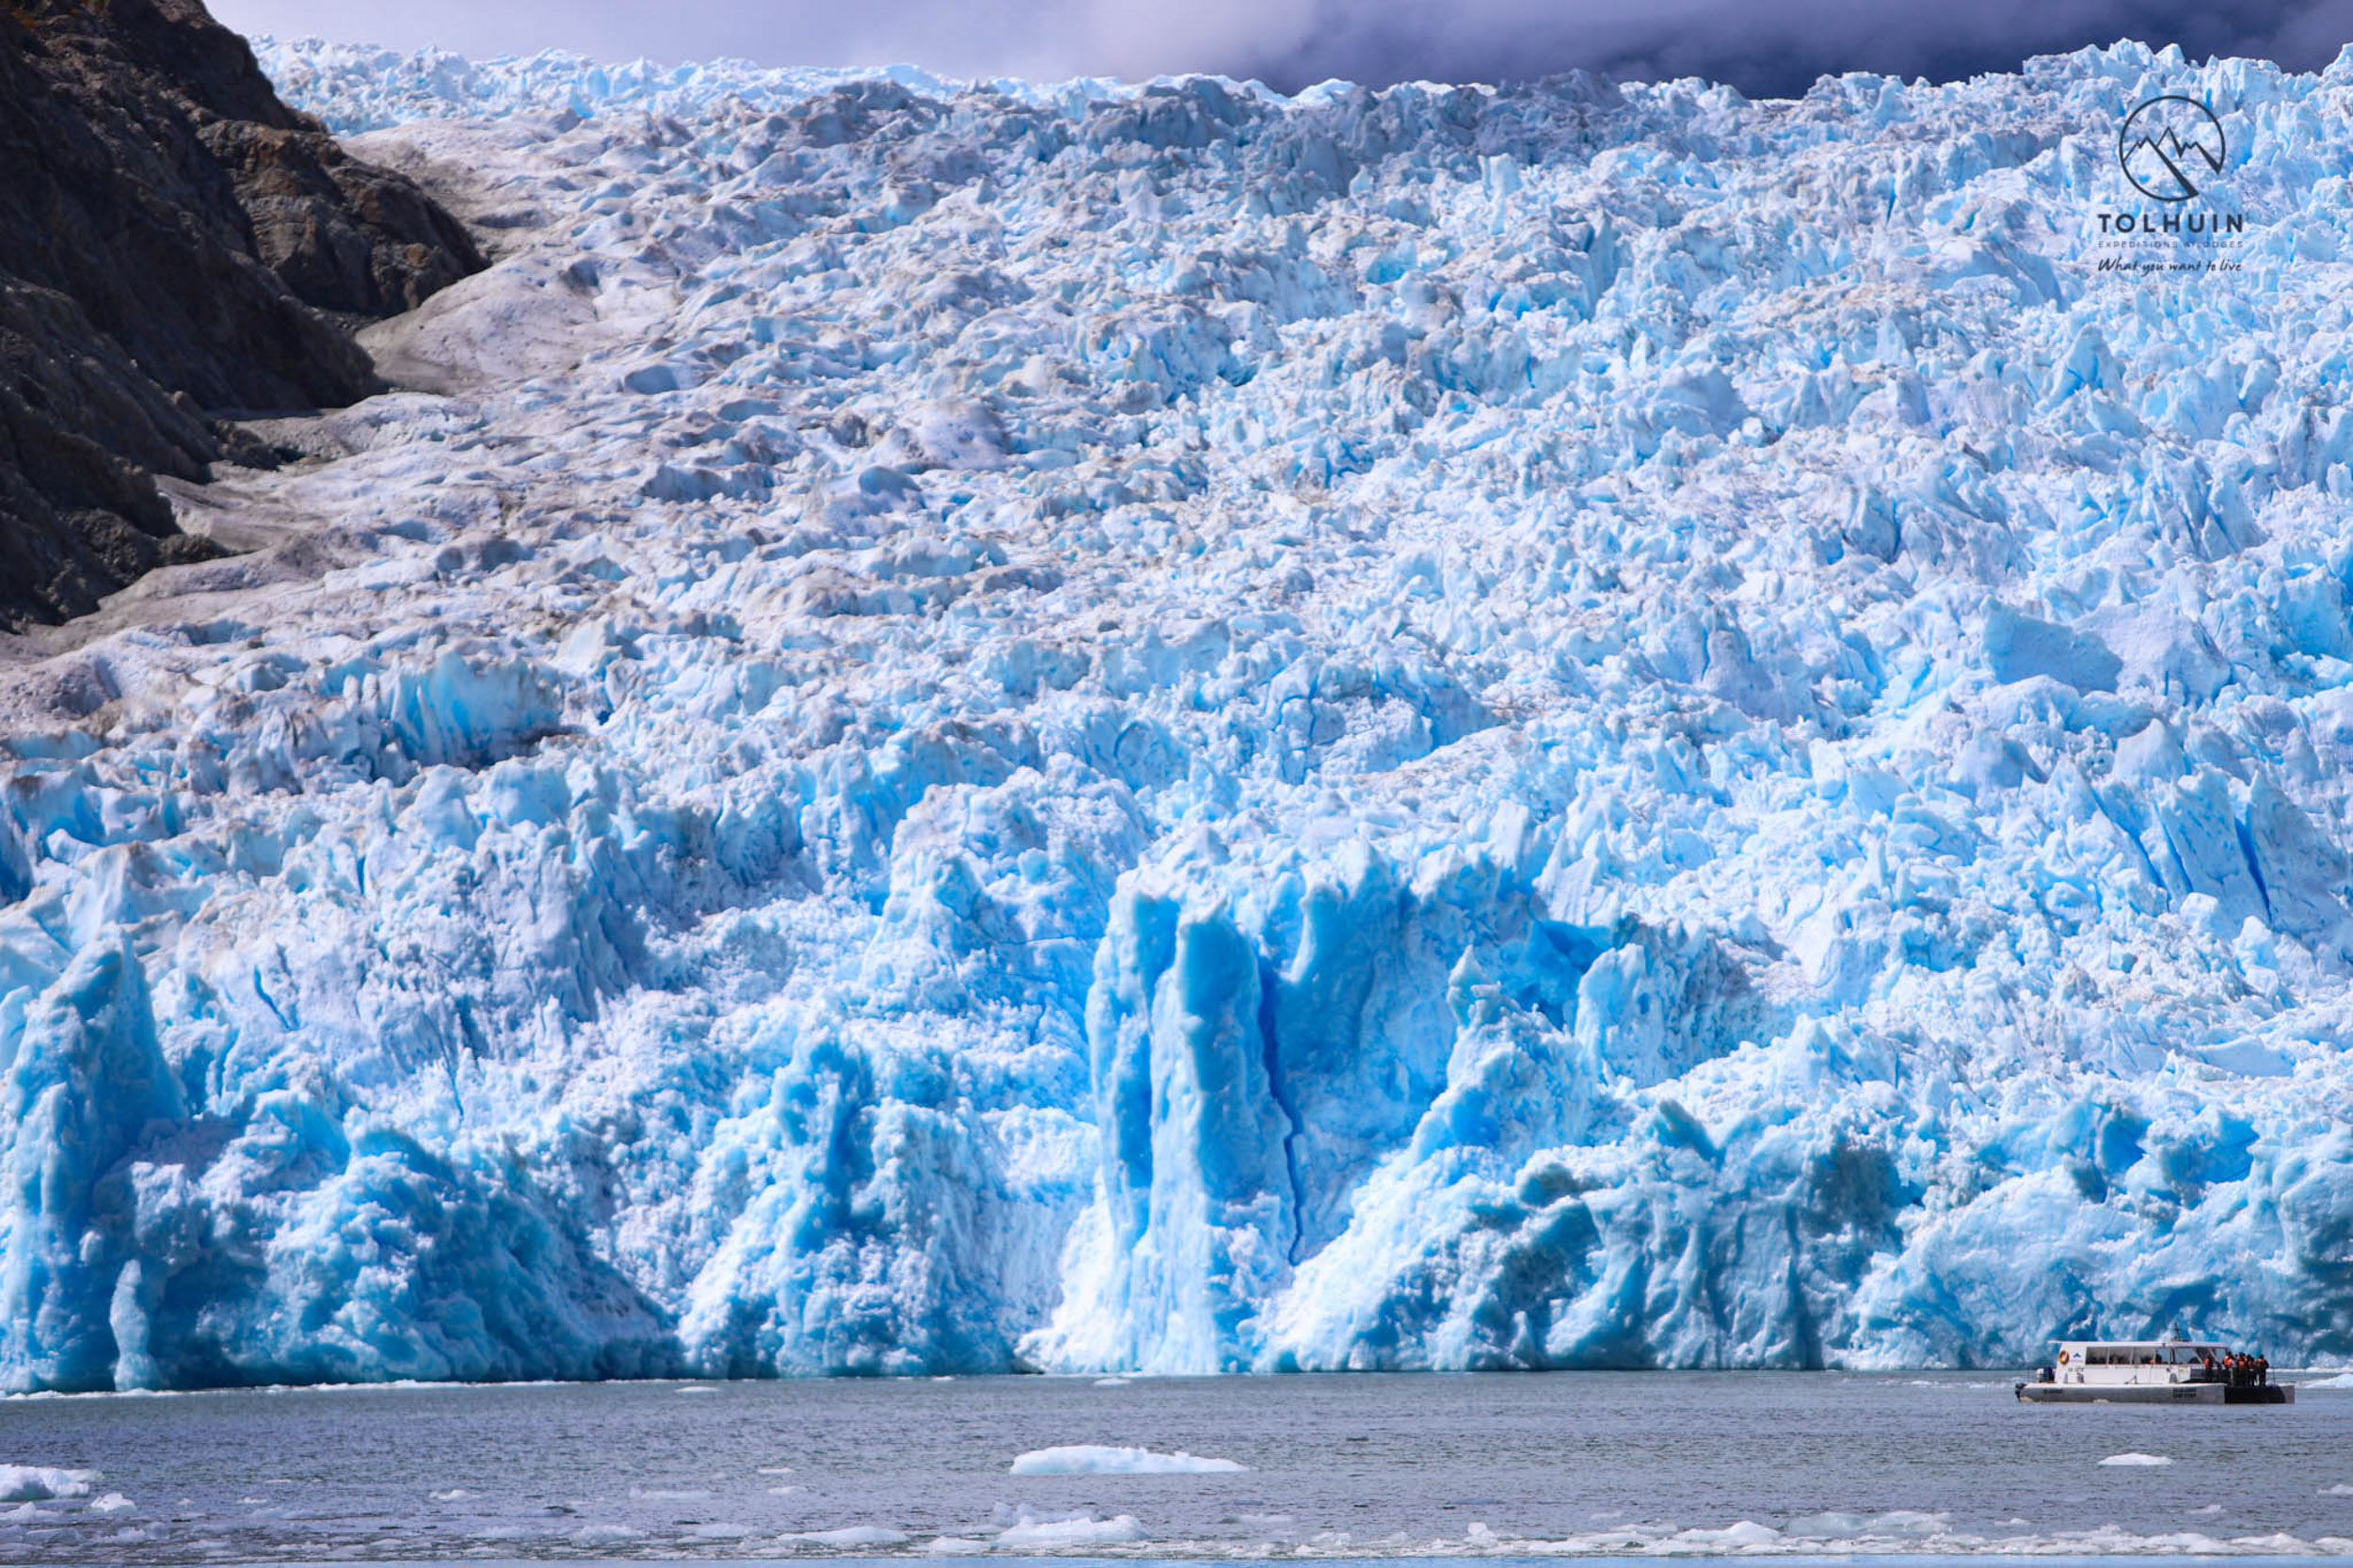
x=1363 y=1466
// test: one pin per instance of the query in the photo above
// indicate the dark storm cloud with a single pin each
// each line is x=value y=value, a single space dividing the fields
x=1773 y=50
x=1764 y=47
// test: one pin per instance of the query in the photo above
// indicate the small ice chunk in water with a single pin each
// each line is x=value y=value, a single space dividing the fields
x=853 y=1535
x=1745 y=1533
x=2340 y=1490
x=35 y=1484
x=1083 y=1530
x=2135 y=1458
x=1111 y=1383
x=774 y=1470
x=786 y=1491
x=113 y=1502
x=699 y=1388
x=2343 y=1380
x=1833 y=1526
x=954 y=1545
x=1088 y=1459
x=453 y=1495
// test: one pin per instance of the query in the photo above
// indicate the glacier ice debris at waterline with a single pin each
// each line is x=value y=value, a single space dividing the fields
x=1164 y=729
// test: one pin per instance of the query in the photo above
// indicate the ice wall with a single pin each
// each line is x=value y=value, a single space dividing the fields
x=1160 y=727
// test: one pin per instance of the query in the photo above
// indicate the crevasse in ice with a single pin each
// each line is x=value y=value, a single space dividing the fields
x=1164 y=727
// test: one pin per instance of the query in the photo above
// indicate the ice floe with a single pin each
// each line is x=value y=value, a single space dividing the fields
x=1085 y=1459
x=21 y=1484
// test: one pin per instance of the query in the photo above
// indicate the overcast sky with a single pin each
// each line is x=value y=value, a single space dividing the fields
x=1762 y=46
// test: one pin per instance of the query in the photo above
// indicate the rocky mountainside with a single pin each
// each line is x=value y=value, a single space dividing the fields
x=173 y=240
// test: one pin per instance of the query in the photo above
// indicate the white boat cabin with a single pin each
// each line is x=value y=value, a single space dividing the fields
x=2127 y=1363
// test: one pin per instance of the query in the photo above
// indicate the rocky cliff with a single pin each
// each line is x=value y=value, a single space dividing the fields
x=175 y=242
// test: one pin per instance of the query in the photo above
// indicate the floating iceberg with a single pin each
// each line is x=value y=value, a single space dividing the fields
x=1029 y=1533
x=1085 y=1459
x=852 y=1536
x=1163 y=728
x=39 y=1484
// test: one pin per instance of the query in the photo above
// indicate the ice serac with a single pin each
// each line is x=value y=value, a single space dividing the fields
x=1109 y=726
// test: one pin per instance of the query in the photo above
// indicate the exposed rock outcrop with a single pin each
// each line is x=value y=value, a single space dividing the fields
x=173 y=240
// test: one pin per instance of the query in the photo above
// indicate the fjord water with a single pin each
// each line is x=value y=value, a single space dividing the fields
x=1369 y=1467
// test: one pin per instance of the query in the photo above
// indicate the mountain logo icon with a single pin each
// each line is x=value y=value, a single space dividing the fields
x=2170 y=147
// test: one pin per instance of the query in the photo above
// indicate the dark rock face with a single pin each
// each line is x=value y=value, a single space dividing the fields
x=172 y=239
x=81 y=430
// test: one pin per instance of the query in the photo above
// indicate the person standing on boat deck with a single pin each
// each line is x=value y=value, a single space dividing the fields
x=2263 y=1369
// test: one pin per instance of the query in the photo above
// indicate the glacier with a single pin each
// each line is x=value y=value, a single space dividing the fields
x=1156 y=728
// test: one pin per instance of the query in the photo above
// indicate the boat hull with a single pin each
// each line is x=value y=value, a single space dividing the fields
x=2156 y=1393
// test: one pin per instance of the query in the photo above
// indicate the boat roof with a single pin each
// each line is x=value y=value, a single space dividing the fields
x=2147 y=1344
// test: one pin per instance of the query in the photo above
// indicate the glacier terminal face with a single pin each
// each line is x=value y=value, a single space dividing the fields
x=961 y=727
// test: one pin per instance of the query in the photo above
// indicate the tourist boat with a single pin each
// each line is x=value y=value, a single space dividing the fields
x=2150 y=1371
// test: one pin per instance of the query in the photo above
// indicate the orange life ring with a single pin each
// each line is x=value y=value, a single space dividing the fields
x=2063 y=1358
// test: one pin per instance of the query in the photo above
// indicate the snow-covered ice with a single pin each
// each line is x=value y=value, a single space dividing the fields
x=38 y=1483
x=1156 y=728
x=1088 y=1459
x=2136 y=1460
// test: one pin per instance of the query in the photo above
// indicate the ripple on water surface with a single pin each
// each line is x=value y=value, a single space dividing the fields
x=1799 y=1467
